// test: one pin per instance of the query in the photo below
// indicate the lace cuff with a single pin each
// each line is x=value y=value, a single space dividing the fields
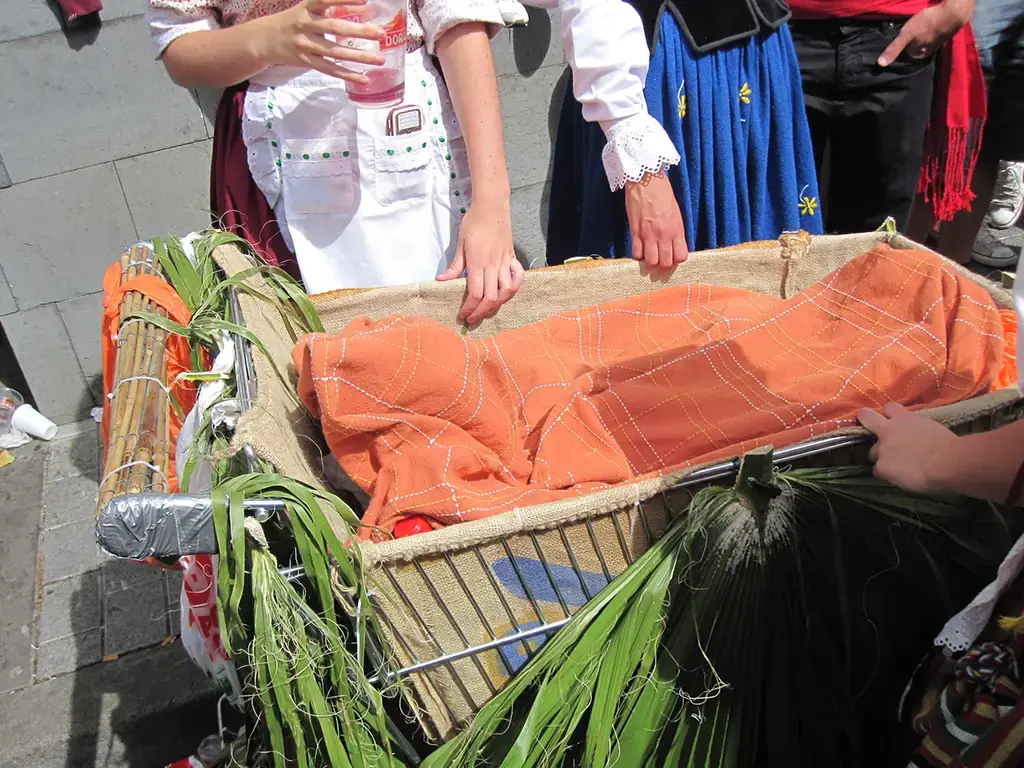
x=637 y=145
x=961 y=631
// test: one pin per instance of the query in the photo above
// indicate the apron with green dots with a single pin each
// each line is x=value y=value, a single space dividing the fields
x=358 y=208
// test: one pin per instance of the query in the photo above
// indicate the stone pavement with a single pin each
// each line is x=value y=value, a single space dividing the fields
x=84 y=637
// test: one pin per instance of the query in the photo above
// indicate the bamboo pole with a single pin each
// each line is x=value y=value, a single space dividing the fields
x=126 y=348
x=140 y=426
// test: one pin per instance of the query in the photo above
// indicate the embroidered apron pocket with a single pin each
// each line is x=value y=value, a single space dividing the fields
x=319 y=175
x=401 y=168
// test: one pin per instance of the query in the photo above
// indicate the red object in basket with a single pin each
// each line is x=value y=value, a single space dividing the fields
x=410 y=526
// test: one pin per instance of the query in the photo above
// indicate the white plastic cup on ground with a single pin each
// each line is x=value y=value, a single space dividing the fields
x=387 y=81
x=32 y=422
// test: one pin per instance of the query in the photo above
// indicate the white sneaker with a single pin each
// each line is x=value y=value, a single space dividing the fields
x=994 y=249
x=1008 y=198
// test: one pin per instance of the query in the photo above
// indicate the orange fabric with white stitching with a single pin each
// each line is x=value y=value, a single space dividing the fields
x=432 y=422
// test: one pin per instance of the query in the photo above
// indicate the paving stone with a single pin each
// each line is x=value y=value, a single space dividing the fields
x=174 y=618
x=529 y=223
x=174 y=580
x=26 y=18
x=75 y=428
x=126 y=574
x=70 y=606
x=74 y=455
x=48 y=361
x=7 y=302
x=82 y=318
x=524 y=50
x=144 y=709
x=59 y=234
x=71 y=500
x=67 y=108
x=19 y=536
x=69 y=550
x=530 y=109
x=168 y=192
x=209 y=100
x=135 y=618
x=66 y=654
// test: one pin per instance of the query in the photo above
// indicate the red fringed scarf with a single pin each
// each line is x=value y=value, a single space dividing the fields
x=953 y=140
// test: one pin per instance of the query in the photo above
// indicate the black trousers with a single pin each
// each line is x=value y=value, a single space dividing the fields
x=870 y=120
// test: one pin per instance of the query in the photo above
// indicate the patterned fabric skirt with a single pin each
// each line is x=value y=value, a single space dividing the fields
x=968 y=708
x=736 y=116
x=236 y=203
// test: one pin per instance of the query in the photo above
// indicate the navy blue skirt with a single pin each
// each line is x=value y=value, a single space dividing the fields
x=736 y=116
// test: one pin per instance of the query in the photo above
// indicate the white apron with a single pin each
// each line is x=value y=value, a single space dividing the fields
x=358 y=208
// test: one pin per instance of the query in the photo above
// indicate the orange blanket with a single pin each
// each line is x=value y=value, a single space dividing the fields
x=432 y=422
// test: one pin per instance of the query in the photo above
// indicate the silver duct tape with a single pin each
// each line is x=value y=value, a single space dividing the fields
x=142 y=525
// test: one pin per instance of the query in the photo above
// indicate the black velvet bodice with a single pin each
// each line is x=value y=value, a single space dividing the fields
x=711 y=24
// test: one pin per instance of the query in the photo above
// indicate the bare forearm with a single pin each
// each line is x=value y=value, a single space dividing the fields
x=217 y=58
x=465 y=54
x=982 y=465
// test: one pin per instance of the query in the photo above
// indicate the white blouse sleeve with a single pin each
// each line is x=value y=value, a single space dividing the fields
x=170 y=19
x=606 y=48
x=439 y=16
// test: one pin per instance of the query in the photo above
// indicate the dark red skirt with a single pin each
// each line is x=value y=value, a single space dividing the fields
x=237 y=204
x=73 y=10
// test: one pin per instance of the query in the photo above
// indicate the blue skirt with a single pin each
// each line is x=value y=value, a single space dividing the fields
x=736 y=116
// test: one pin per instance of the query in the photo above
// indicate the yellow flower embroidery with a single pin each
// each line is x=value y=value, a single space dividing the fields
x=808 y=205
x=745 y=93
x=681 y=104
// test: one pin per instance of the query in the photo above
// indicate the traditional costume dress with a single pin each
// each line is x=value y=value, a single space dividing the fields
x=722 y=81
x=314 y=182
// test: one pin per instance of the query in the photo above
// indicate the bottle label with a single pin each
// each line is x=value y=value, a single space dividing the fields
x=395 y=34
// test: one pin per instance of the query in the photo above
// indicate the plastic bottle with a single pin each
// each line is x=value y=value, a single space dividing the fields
x=14 y=414
x=387 y=81
x=10 y=401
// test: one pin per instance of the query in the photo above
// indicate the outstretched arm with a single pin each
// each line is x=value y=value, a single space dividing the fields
x=921 y=455
x=606 y=48
x=485 y=251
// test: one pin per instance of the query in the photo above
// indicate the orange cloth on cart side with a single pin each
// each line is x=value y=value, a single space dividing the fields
x=453 y=428
x=1008 y=376
x=177 y=349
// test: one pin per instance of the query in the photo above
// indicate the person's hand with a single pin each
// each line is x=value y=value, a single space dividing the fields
x=909 y=448
x=655 y=222
x=928 y=30
x=485 y=252
x=297 y=37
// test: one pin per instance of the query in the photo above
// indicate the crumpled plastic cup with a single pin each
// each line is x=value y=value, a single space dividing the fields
x=32 y=422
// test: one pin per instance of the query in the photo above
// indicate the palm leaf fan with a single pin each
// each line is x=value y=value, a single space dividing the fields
x=775 y=623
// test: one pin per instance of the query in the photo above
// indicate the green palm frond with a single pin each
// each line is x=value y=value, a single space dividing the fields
x=307 y=675
x=773 y=627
